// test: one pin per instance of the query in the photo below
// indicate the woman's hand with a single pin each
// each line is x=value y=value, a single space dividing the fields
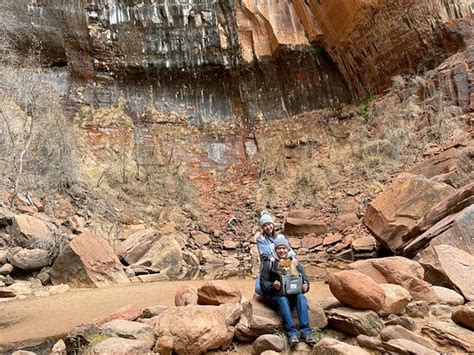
x=305 y=287
x=277 y=285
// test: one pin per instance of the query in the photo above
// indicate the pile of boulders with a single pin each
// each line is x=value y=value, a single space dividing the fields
x=389 y=307
x=379 y=305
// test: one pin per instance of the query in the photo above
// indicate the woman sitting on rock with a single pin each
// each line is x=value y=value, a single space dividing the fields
x=266 y=238
x=265 y=244
x=284 y=283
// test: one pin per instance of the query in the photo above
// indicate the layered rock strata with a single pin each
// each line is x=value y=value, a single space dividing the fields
x=244 y=58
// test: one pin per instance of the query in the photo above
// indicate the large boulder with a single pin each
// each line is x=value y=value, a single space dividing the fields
x=396 y=299
x=257 y=319
x=88 y=261
x=136 y=245
x=27 y=229
x=450 y=267
x=456 y=230
x=200 y=328
x=130 y=330
x=330 y=346
x=218 y=292
x=354 y=322
x=449 y=333
x=357 y=290
x=464 y=316
x=394 y=212
x=165 y=255
x=399 y=271
x=30 y=259
x=302 y=222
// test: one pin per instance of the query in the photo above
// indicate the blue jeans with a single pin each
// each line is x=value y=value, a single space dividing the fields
x=284 y=305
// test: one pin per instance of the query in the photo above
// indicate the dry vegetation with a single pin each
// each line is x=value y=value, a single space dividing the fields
x=35 y=137
x=307 y=158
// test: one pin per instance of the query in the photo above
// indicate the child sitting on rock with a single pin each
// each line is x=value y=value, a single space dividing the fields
x=271 y=283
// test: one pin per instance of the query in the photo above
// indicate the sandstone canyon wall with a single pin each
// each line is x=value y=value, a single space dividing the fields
x=240 y=58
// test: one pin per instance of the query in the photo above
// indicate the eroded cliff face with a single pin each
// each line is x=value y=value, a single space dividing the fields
x=242 y=58
x=188 y=57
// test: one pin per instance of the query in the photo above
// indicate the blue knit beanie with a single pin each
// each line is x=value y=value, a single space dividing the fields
x=265 y=218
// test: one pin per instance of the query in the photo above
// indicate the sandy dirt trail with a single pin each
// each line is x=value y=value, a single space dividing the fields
x=54 y=316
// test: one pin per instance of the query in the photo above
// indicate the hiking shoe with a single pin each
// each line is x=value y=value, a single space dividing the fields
x=308 y=338
x=293 y=340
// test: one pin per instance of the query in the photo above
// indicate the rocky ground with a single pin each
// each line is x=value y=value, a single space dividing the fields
x=160 y=199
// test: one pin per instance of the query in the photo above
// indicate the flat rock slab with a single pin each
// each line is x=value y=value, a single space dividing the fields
x=449 y=333
x=354 y=322
x=131 y=330
x=330 y=346
x=405 y=346
x=451 y=267
x=395 y=212
x=119 y=346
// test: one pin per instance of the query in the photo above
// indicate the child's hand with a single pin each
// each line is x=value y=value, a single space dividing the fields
x=277 y=285
x=305 y=287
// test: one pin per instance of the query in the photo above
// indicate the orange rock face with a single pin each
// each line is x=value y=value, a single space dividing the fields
x=370 y=40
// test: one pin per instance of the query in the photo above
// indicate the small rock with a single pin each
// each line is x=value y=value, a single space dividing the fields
x=441 y=310
x=23 y=352
x=215 y=293
x=448 y=296
x=43 y=275
x=331 y=302
x=371 y=343
x=4 y=256
x=8 y=280
x=154 y=311
x=186 y=295
x=268 y=342
x=332 y=238
x=4 y=293
x=6 y=269
x=405 y=322
x=131 y=330
x=396 y=299
x=164 y=345
x=418 y=309
x=59 y=348
x=464 y=316
x=364 y=244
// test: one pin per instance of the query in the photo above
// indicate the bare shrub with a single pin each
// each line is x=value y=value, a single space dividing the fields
x=35 y=138
x=54 y=244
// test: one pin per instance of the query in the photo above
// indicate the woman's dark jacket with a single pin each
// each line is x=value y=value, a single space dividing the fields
x=269 y=274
